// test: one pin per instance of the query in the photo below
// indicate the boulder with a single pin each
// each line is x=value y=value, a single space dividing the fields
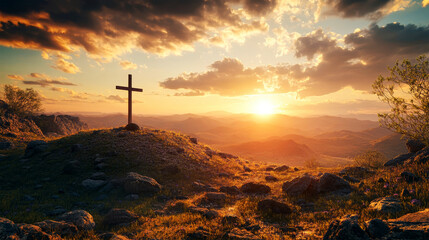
x=207 y=213
x=216 y=199
x=232 y=190
x=80 y=218
x=193 y=140
x=255 y=188
x=59 y=124
x=93 y=184
x=35 y=147
x=410 y=177
x=410 y=226
x=304 y=185
x=8 y=229
x=270 y=178
x=346 y=228
x=414 y=146
x=377 y=228
x=281 y=168
x=29 y=231
x=135 y=183
x=60 y=228
x=132 y=127
x=201 y=187
x=330 y=183
x=241 y=234
x=272 y=206
x=422 y=156
x=119 y=217
x=351 y=179
x=386 y=205
x=4 y=145
x=399 y=160
x=199 y=234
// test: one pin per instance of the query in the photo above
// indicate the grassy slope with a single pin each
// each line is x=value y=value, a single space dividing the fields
x=147 y=152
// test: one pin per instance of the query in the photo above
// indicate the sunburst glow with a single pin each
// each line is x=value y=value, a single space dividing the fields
x=264 y=107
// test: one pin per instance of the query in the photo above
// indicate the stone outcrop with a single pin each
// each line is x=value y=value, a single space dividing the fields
x=59 y=124
x=346 y=228
x=308 y=185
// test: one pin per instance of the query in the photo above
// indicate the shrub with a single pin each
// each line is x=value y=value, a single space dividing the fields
x=22 y=102
x=370 y=159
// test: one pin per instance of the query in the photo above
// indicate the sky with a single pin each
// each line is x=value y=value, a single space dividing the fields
x=304 y=58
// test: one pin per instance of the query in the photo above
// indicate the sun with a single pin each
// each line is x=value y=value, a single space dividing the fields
x=264 y=107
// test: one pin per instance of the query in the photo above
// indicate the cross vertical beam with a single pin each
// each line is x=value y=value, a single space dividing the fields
x=130 y=90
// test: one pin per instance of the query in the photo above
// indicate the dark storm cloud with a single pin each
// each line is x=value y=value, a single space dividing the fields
x=365 y=55
x=29 y=35
x=108 y=27
x=353 y=8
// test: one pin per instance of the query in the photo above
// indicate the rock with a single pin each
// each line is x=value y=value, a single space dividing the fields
x=72 y=167
x=80 y=218
x=132 y=197
x=281 y=168
x=386 y=205
x=410 y=177
x=93 y=184
x=5 y=145
x=351 y=179
x=29 y=231
x=414 y=146
x=226 y=155
x=272 y=206
x=201 y=187
x=216 y=199
x=247 y=169
x=270 y=178
x=346 y=228
x=59 y=124
x=241 y=234
x=232 y=190
x=135 y=183
x=193 y=140
x=377 y=228
x=199 y=234
x=255 y=188
x=269 y=169
x=295 y=169
x=410 y=226
x=304 y=185
x=35 y=147
x=119 y=217
x=330 y=183
x=207 y=213
x=60 y=228
x=305 y=206
x=58 y=210
x=422 y=156
x=98 y=176
x=8 y=229
x=112 y=236
x=356 y=172
x=170 y=170
x=132 y=127
x=399 y=160
x=381 y=180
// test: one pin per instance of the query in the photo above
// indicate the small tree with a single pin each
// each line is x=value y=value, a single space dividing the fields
x=370 y=159
x=406 y=90
x=22 y=102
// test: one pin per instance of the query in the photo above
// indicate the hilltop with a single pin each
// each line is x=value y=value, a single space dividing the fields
x=156 y=184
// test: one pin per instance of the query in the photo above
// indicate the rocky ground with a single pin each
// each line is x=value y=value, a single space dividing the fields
x=154 y=184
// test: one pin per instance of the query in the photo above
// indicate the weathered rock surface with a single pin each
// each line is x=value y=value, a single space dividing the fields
x=59 y=124
x=386 y=205
x=80 y=218
x=330 y=183
x=281 y=168
x=35 y=147
x=410 y=226
x=93 y=184
x=216 y=199
x=10 y=230
x=135 y=183
x=60 y=228
x=346 y=228
x=232 y=190
x=119 y=217
x=132 y=127
x=399 y=160
x=377 y=228
x=270 y=178
x=273 y=206
x=255 y=188
x=414 y=146
x=304 y=185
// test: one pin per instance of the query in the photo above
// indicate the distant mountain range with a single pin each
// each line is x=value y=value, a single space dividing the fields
x=276 y=138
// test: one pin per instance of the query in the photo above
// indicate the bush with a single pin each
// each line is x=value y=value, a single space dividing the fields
x=22 y=102
x=370 y=159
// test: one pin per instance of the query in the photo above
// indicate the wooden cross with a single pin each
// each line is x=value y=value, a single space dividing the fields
x=130 y=89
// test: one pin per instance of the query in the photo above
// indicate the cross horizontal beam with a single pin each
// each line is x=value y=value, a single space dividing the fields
x=128 y=89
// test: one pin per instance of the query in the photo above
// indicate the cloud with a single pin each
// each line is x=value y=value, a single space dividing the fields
x=190 y=94
x=41 y=79
x=372 y=9
x=425 y=3
x=229 y=77
x=15 y=77
x=65 y=66
x=126 y=65
x=116 y=98
x=366 y=54
x=354 y=61
x=106 y=29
